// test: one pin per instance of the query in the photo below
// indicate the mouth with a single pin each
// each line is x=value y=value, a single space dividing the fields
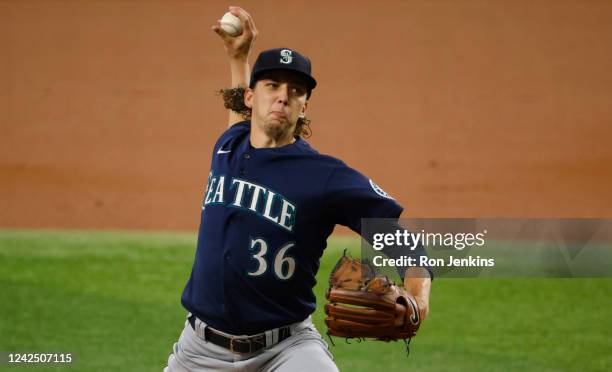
x=278 y=114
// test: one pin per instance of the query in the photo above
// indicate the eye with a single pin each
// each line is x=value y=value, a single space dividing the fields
x=298 y=91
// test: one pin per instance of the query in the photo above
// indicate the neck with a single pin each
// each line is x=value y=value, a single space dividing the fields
x=261 y=139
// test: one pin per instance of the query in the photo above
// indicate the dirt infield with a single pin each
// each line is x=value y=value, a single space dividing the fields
x=457 y=108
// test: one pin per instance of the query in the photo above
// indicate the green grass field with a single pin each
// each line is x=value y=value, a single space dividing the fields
x=113 y=300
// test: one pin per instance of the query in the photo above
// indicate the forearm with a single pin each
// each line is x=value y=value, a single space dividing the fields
x=237 y=49
x=418 y=282
x=240 y=72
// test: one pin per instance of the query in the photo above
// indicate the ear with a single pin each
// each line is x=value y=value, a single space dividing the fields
x=303 y=112
x=248 y=98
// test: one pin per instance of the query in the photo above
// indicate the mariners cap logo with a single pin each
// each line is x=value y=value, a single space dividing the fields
x=286 y=56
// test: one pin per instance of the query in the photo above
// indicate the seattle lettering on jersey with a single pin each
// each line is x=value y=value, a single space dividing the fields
x=252 y=197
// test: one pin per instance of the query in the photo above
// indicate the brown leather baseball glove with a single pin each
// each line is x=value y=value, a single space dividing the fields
x=363 y=304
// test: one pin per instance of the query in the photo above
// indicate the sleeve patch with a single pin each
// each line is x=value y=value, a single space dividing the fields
x=377 y=189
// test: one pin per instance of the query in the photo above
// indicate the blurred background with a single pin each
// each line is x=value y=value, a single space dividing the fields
x=457 y=108
x=108 y=110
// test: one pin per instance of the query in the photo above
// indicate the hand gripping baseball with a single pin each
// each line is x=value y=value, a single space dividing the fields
x=238 y=47
x=365 y=305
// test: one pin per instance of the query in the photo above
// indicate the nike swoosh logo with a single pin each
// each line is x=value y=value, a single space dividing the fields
x=223 y=151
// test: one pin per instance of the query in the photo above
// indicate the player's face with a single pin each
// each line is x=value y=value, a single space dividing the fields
x=277 y=101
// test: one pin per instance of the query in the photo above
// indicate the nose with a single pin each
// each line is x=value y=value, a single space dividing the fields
x=283 y=94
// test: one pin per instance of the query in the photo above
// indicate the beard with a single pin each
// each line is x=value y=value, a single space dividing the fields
x=278 y=127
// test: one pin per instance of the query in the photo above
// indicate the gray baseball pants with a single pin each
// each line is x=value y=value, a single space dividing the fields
x=304 y=350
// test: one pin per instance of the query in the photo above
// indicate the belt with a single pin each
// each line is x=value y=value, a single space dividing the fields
x=241 y=344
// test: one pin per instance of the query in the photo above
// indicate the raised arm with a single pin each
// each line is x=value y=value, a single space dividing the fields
x=237 y=49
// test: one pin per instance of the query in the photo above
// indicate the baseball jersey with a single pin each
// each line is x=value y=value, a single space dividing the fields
x=266 y=216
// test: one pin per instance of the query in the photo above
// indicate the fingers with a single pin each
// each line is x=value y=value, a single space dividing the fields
x=240 y=13
x=238 y=47
x=248 y=26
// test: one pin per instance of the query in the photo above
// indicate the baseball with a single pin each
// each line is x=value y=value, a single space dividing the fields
x=230 y=24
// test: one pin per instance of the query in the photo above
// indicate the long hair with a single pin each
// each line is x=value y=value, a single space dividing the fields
x=233 y=99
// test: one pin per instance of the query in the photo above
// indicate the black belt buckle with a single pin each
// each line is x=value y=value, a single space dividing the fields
x=246 y=345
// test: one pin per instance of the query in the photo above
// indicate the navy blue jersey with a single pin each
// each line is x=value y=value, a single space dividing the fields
x=266 y=216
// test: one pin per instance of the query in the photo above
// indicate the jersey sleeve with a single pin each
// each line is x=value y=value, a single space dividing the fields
x=352 y=196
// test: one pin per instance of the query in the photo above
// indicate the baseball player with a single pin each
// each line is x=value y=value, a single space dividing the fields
x=270 y=203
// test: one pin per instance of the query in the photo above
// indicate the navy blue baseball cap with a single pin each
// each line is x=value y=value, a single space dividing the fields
x=283 y=59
